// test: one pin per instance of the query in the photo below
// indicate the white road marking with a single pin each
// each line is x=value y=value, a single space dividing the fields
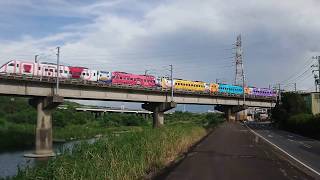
x=307 y=146
x=308 y=167
x=291 y=140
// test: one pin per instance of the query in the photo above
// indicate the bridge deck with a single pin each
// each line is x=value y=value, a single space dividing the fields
x=77 y=89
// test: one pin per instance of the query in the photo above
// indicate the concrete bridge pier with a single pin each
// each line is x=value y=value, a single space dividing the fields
x=230 y=116
x=231 y=111
x=158 y=110
x=45 y=106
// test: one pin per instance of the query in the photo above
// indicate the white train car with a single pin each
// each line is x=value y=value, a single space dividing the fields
x=34 y=69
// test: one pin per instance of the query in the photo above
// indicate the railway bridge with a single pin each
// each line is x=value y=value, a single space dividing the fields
x=45 y=98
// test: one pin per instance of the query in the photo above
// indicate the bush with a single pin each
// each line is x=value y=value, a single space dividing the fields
x=122 y=120
x=213 y=119
x=304 y=124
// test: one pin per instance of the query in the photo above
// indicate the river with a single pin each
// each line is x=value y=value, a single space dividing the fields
x=10 y=162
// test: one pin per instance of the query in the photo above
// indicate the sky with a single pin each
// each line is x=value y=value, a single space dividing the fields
x=197 y=36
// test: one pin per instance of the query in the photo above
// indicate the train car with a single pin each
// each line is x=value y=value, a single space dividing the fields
x=248 y=90
x=230 y=89
x=89 y=75
x=76 y=72
x=123 y=78
x=214 y=88
x=165 y=83
x=263 y=92
x=186 y=85
x=34 y=69
x=105 y=77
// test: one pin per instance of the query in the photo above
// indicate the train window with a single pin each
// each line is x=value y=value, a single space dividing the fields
x=45 y=69
x=87 y=74
x=83 y=74
x=66 y=72
x=70 y=72
x=39 y=68
x=61 y=71
x=55 y=70
x=11 y=64
x=51 y=70
x=17 y=65
x=94 y=74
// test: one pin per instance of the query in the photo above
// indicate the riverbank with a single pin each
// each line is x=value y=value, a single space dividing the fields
x=129 y=155
x=22 y=136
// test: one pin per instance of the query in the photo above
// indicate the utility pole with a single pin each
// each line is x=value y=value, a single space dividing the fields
x=171 y=74
x=315 y=75
x=58 y=69
x=217 y=81
x=295 y=87
x=244 y=93
x=36 y=58
x=317 y=81
x=279 y=88
x=145 y=72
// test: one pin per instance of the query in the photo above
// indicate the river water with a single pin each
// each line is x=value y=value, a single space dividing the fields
x=11 y=161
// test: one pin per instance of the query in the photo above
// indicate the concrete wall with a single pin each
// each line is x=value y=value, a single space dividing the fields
x=315 y=103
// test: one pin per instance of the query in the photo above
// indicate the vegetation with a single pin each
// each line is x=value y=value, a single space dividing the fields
x=128 y=148
x=293 y=115
x=18 y=123
x=128 y=155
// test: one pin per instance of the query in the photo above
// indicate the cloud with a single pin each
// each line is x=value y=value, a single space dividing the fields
x=195 y=36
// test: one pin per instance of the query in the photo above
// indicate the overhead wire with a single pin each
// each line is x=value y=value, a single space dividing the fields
x=306 y=64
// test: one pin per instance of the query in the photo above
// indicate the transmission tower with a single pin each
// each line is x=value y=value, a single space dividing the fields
x=239 y=79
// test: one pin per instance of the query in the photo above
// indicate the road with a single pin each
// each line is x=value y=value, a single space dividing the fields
x=233 y=152
x=304 y=149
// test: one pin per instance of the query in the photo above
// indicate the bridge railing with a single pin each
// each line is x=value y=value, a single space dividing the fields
x=81 y=82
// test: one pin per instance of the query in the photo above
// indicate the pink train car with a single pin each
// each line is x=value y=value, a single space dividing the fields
x=123 y=78
x=34 y=69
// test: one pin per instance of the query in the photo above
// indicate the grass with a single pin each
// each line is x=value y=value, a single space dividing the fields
x=125 y=156
x=123 y=152
x=73 y=132
x=21 y=136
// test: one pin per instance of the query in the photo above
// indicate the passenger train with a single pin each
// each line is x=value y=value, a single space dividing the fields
x=128 y=79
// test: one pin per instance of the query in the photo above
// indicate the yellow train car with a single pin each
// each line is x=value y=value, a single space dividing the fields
x=186 y=85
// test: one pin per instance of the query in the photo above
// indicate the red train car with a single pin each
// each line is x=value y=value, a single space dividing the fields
x=76 y=71
x=123 y=78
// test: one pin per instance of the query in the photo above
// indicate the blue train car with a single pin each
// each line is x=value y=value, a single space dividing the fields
x=230 y=89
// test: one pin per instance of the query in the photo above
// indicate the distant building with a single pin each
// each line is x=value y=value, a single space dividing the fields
x=312 y=101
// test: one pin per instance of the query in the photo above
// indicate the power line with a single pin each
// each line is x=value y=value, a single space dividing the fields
x=307 y=64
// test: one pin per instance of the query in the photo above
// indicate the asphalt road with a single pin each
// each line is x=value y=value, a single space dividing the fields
x=304 y=149
x=233 y=152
